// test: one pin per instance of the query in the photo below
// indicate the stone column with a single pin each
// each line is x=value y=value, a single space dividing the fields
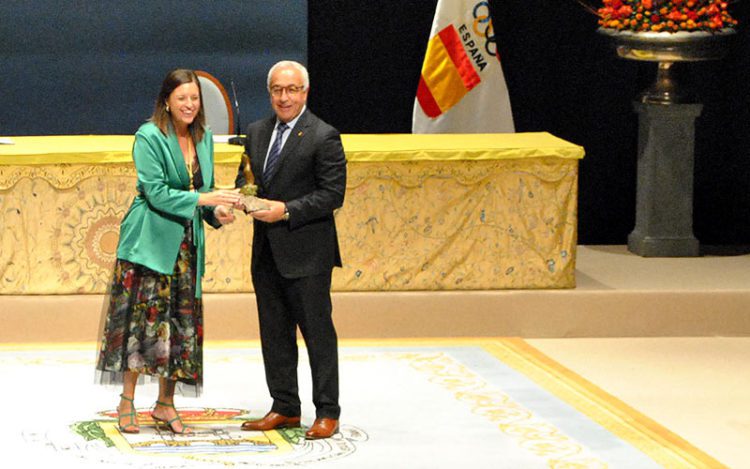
x=664 y=192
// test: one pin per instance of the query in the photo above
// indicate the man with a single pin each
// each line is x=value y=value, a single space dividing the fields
x=300 y=170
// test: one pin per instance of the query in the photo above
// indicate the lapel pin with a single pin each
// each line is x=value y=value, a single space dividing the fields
x=300 y=133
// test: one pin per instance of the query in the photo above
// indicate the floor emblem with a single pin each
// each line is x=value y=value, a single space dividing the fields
x=217 y=439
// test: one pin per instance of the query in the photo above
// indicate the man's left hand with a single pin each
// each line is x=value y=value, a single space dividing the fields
x=273 y=214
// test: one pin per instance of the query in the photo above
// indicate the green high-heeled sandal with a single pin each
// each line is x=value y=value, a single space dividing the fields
x=168 y=423
x=132 y=425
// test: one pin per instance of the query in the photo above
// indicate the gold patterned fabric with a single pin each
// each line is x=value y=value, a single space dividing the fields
x=422 y=212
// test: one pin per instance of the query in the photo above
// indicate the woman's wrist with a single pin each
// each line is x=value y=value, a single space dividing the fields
x=203 y=198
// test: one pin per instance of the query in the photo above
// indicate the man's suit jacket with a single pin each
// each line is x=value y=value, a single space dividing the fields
x=311 y=179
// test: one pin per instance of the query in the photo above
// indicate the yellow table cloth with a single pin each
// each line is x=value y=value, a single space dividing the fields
x=422 y=212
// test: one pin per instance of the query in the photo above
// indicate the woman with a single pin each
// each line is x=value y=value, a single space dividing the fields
x=154 y=321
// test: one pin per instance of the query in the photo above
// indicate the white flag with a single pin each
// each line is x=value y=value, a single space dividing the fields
x=462 y=88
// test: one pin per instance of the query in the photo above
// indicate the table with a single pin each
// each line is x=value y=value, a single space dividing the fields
x=422 y=212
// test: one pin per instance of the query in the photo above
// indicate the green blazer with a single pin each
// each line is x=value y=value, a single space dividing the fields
x=153 y=227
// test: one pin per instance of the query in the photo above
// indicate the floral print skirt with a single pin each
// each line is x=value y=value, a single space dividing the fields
x=153 y=324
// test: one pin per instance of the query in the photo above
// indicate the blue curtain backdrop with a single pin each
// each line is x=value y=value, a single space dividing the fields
x=95 y=67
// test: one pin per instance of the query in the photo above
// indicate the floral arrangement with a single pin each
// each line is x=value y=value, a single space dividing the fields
x=664 y=15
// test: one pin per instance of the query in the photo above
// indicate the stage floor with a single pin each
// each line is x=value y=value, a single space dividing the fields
x=668 y=338
x=430 y=403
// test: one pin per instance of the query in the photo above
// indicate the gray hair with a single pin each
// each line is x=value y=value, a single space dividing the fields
x=289 y=64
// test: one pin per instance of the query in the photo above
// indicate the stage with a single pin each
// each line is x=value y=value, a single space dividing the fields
x=408 y=403
x=618 y=294
x=622 y=335
x=642 y=359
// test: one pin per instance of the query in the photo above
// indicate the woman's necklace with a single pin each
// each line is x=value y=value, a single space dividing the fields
x=188 y=156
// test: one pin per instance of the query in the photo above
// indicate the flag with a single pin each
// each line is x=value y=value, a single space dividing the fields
x=462 y=88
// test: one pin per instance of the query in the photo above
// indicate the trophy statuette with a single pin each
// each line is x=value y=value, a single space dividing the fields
x=249 y=190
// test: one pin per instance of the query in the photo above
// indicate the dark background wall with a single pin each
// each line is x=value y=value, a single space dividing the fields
x=95 y=66
x=364 y=59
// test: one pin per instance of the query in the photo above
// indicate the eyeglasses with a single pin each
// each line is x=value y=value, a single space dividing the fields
x=291 y=90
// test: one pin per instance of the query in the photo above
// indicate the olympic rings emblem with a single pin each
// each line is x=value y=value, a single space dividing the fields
x=482 y=19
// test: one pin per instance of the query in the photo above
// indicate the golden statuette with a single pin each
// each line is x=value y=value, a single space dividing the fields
x=249 y=190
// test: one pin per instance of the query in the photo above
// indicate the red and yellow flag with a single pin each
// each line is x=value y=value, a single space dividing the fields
x=462 y=88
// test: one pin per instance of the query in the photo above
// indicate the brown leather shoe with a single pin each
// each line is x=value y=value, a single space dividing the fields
x=271 y=421
x=322 y=428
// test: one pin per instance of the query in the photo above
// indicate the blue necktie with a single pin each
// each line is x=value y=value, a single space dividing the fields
x=273 y=156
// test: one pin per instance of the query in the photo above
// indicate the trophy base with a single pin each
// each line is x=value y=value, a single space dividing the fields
x=253 y=204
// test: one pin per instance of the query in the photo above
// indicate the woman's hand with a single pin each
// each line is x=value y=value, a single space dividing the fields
x=228 y=197
x=224 y=214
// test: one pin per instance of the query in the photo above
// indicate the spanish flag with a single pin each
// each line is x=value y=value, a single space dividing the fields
x=462 y=88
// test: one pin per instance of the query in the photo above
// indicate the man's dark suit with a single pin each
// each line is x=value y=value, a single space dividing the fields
x=293 y=260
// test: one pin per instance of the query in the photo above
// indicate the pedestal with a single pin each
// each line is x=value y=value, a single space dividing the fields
x=666 y=136
x=664 y=192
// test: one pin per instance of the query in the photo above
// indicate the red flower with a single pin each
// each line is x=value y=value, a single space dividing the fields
x=674 y=15
x=127 y=282
x=152 y=314
x=625 y=11
x=664 y=15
